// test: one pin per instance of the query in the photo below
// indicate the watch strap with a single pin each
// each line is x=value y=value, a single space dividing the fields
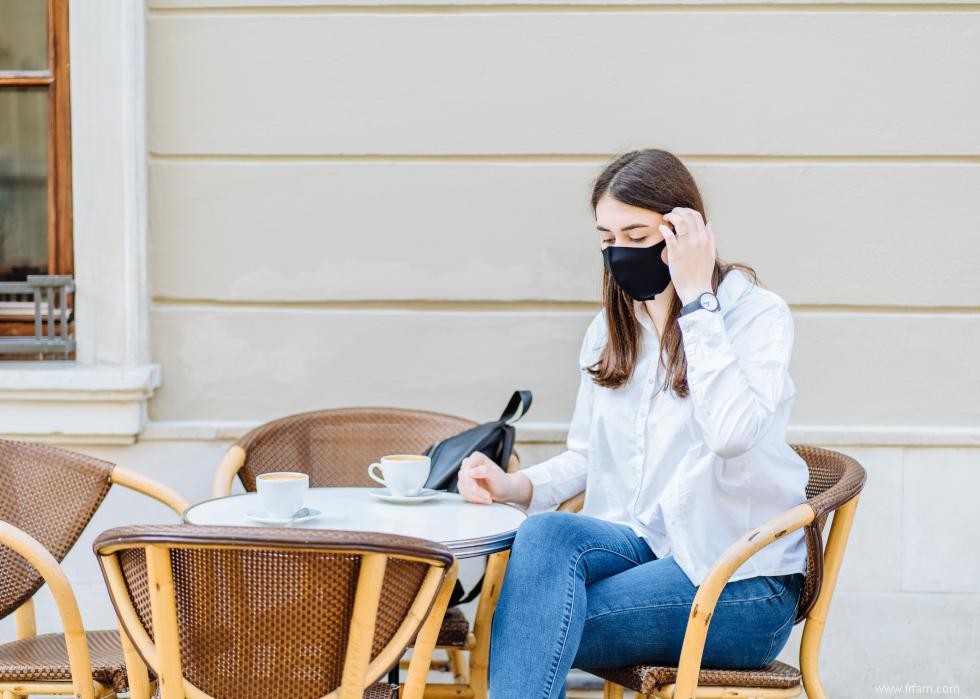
x=692 y=306
x=695 y=304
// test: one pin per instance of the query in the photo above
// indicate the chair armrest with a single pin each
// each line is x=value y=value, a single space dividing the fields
x=230 y=464
x=51 y=571
x=713 y=584
x=151 y=488
x=573 y=504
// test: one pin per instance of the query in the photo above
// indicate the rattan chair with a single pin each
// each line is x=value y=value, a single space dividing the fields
x=47 y=497
x=835 y=484
x=335 y=447
x=298 y=613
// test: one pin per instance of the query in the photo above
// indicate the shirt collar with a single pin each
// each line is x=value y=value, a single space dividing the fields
x=731 y=288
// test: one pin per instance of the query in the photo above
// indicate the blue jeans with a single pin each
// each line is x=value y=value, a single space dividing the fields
x=582 y=592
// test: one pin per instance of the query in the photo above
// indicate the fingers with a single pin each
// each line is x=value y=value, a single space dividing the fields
x=479 y=464
x=468 y=484
x=687 y=223
x=472 y=491
x=697 y=226
x=670 y=238
x=481 y=471
x=475 y=494
x=475 y=458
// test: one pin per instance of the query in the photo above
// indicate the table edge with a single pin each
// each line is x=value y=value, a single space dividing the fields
x=461 y=548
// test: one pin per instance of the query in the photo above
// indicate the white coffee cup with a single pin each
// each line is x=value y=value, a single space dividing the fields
x=282 y=492
x=404 y=474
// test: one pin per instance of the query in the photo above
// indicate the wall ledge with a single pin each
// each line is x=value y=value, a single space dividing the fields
x=66 y=402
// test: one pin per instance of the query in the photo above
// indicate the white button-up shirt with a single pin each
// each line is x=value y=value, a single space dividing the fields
x=691 y=475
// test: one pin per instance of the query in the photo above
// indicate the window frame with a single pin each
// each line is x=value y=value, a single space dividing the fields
x=56 y=79
x=99 y=397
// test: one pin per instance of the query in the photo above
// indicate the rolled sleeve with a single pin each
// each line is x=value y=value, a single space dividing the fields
x=542 y=493
x=737 y=381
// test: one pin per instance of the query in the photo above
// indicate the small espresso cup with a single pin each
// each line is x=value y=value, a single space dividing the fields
x=404 y=474
x=282 y=492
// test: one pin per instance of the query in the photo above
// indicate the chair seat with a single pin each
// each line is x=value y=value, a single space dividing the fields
x=45 y=659
x=455 y=629
x=381 y=690
x=647 y=679
x=378 y=690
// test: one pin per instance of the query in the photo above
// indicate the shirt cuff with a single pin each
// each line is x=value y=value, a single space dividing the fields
x=701 y=325
x=542 y=495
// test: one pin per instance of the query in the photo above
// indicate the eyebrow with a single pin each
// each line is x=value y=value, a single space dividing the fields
x=627 y=228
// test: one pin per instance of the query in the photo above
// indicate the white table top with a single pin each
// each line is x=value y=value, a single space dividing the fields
x=466 y=528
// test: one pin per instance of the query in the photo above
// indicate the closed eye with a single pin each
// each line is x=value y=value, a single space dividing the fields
x=612 y=241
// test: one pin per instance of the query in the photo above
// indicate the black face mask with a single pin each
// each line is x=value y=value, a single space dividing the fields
x=641 y=272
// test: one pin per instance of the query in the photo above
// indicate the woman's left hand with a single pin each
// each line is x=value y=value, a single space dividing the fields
x=690 y=252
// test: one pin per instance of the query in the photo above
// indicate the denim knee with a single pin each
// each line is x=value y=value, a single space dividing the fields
x=545 y=535
x=547 y=525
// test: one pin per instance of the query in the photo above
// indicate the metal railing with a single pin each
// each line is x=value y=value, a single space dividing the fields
x=47 y=296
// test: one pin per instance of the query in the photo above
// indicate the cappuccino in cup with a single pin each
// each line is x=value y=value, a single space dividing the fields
x=404 y=474
x=282 y=492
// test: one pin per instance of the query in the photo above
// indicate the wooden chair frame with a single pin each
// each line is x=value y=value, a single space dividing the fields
x=471 y=678
x=360 y=671
x=82 y=684
x=702 y=608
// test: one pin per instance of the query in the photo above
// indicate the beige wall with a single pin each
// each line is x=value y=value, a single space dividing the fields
x=323 y=179
x=387 y=204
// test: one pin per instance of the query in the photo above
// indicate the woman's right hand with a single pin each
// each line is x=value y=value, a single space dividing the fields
x=483 y=481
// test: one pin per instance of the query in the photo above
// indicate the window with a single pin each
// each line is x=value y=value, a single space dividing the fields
x=35 y=151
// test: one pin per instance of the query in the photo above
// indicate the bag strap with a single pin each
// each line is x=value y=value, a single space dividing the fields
x=474 y=591
x=517 y=407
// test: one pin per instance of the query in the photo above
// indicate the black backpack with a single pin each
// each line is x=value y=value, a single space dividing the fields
x=495 y=439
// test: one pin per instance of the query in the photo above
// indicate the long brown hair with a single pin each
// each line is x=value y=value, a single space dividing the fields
x=658 y=181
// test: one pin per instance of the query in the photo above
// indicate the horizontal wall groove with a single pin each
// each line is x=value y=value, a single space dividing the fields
x=395 y=305
x=531 y=432
x=565 y=8
x=516 y=306
x=549 y=158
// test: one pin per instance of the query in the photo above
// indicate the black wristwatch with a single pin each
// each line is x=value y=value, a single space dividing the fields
x=706 y=300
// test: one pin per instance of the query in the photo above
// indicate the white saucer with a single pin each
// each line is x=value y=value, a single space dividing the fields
x=262 y=518
x=385 y=494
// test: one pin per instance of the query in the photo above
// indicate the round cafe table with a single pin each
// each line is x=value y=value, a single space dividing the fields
x=465 y=528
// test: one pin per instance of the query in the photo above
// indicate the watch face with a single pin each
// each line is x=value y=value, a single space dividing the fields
x=709 y=301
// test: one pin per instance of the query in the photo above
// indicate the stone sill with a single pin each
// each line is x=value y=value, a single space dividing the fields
x=67 y=402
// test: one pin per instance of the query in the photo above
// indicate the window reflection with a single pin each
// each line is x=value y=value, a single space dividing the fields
x=23 y=35
x=23 y=183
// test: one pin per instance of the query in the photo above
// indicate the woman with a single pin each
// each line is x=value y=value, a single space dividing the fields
x=678 y=438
